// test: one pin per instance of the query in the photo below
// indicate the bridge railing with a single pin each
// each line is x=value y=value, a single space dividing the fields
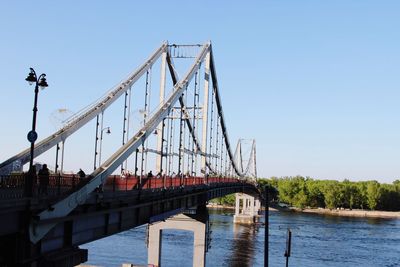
x=13 y=186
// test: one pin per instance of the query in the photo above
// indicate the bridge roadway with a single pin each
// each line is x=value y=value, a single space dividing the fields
x=121 y=205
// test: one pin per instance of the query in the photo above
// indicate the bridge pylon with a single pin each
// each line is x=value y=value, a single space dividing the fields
x=246 y=209
x=196 y=223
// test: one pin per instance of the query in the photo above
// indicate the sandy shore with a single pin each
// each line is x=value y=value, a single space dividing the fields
x=348 y=213
x=353 y=213
x=217 y=206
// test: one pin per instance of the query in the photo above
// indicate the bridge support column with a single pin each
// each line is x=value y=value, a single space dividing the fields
x=248 y=211
x=257 y=206
x=189 y=222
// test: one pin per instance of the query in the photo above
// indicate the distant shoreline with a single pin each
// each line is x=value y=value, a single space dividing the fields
x=352 y=213
x=334 y=212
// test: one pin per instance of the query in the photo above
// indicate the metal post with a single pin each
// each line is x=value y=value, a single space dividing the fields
x=101 y=137
x=32 y=135
x=266 y=226
x=180 y=142
x=171 y=143
x=128 y=123
x=194 y=148
x=57 y=150
x=95 y=144
x=288 y=246
x=254 y=158
x=143 y=167
x=226 y=162
x=160 y=137
x=188 y=151
x=136 y=156
x=148 y=93
x=141 y=164
x=211 y=127
x=123 y=125
x=162 y=147
x=62 y=157
x=205 y=112
x=222 y=154
x=184 y=114
x=216 y=144
x=34 y=126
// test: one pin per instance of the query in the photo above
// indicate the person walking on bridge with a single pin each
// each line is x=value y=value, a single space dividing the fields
x=82 y=175
x=30 y=179
x=43 y=180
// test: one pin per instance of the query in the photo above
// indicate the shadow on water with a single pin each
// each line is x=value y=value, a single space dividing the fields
x=243 y=245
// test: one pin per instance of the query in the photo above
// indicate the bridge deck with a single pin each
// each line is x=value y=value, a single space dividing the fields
x=114 y=209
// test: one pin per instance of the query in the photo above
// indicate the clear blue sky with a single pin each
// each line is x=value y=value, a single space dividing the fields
x=316 y=83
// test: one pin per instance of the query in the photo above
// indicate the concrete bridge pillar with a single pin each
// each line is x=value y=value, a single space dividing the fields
x=257 y=206
x=189 y=222
x=246 y=209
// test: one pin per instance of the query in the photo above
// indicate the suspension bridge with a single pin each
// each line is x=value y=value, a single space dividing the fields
x=181 y=137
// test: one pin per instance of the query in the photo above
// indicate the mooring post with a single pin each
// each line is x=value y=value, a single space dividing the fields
x=266 y=226
x=288 y=246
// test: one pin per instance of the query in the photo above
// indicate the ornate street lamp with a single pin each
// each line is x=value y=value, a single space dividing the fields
x=32 y=135
x=108 y=131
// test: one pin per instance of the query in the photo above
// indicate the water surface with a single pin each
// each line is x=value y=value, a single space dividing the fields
x=317 y=240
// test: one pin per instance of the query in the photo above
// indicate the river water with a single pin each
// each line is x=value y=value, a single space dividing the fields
x=317 y=240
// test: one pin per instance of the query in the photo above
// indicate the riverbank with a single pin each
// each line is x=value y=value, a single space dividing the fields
x=228 y=207
x=322 y=211
x=352 y=213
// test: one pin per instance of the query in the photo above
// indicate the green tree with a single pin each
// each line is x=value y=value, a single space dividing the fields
x=333 y=194
x=362 y=201
x=389 y=197
x=397 y=185
x=315 y=193
x=351 y=194
x=293 y=190
x=373 y=194
x=301 y=192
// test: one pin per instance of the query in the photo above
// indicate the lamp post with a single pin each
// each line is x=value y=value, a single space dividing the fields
x=32 y=135
x=108 y=131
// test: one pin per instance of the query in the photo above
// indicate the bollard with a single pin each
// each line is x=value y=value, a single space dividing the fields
x=288 y=246
x=266 y=227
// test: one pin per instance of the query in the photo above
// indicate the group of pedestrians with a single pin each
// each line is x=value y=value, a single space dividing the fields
x=32 y=177
x=160 y=175
x=150 y=174
x=41 y=179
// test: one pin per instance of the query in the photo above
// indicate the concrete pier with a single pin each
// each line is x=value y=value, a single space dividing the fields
x=246 y=209
x=195 y=223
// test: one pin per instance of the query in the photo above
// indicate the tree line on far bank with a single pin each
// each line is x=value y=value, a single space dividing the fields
x=304 y=192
